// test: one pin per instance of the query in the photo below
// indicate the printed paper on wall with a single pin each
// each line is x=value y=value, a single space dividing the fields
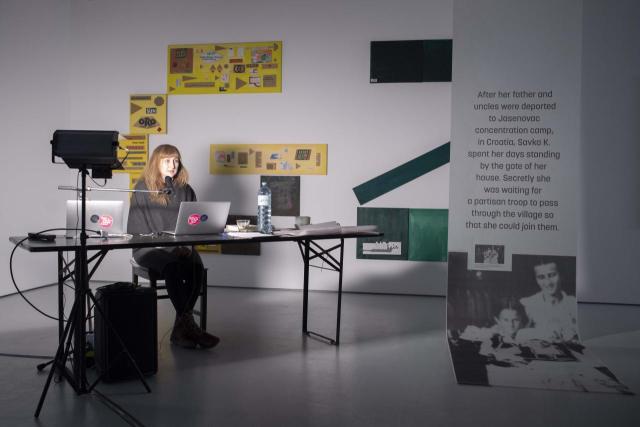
x=216 y=249
x=216 y=68
x=135 y=157
x=148 y=114
x=268 y=159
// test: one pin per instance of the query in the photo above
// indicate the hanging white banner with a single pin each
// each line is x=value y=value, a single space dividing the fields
x=512 y=311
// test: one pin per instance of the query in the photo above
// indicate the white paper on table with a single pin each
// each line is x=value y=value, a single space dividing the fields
x=244 y=234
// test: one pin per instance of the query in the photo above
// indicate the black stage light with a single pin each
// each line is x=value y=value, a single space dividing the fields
x=87 y=149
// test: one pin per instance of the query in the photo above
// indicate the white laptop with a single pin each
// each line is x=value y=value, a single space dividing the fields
x=101 y=216
x=201 y=218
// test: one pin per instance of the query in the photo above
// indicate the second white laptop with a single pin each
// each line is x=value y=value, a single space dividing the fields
x=201 y=218
x=105 y=216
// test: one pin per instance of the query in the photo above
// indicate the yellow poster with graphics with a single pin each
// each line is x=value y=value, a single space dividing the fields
x=224 y=68
x=148 y=114
x=268 y=159
x=216 y=249
x=134 y=154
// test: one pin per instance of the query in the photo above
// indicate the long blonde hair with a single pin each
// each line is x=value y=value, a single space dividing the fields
x=153 y=178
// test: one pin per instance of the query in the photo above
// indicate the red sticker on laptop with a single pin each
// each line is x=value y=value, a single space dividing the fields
x=105 y=221
x=194 y=219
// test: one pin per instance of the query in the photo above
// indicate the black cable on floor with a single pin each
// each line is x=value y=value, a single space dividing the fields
x=26 y=356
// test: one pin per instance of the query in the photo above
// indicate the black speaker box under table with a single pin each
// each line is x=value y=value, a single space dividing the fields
x=132 y=312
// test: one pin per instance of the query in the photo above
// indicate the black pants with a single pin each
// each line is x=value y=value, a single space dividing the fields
x=183 y=276
x=183 y=281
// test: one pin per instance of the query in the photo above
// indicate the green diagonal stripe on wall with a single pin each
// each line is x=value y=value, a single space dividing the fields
x=396 y=177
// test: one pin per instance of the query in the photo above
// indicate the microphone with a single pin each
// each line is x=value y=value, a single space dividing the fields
x=168 y=185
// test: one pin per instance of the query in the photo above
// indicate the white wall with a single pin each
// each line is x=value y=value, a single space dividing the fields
x=609 y=242
x=119 y=48
x=73 y=63
x=34 y=65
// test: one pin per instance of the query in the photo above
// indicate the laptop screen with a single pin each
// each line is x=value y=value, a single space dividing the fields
x=201 y=218
x=101 y=216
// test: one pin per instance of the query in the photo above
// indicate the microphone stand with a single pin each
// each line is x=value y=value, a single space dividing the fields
x=119 y=190
x=76 y=326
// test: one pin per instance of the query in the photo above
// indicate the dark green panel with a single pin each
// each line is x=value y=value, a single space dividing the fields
x=402 y=174
x=428 y=234
x=285 y=194
x=394 y=223
x=399 y=61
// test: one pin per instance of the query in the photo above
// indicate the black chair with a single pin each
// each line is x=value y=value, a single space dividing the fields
x=153 y=278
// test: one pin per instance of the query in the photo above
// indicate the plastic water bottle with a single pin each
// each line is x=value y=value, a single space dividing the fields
x=264 y=209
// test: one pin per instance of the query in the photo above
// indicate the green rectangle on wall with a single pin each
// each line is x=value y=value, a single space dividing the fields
x=428 y=231
x=394 y=223
x=403 y=174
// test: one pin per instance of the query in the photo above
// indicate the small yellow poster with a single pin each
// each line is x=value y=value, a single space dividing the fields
x=268 y=159
x=134 y=155
x=148 y=114
x=224 y=68
x=216 y=249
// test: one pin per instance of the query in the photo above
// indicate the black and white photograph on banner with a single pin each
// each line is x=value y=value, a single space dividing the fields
x=519 y=328
x=489 y=255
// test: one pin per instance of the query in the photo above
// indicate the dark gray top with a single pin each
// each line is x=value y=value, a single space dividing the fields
x=147 y=216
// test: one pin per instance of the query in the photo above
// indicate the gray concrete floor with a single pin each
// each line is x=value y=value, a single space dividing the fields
x=391 y=369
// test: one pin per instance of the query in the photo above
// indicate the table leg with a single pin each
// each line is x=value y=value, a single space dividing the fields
x=305 y=295
x=323 y=254
x=60 y=297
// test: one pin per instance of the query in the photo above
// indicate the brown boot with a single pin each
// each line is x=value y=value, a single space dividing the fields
x=202 y=338
x=182 y=335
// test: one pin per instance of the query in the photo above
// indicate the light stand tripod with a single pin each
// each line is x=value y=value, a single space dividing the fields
x=83 y=150
x=76 y=326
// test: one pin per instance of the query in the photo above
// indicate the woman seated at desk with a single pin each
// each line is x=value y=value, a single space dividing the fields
x=180 y=266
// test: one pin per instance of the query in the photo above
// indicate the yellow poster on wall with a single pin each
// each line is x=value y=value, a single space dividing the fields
x=224 y=68
x=268 y=159
x=148 y=114
x=134 y=155
x=216 y=249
